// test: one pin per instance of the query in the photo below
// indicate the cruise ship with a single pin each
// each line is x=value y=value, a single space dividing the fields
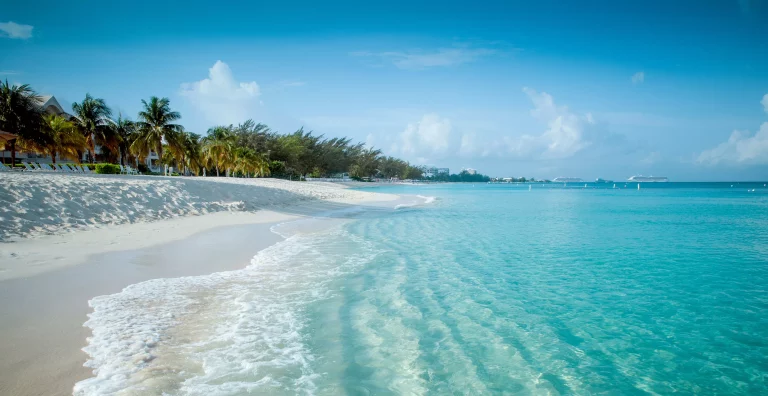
x=567 y=180
x=643 y=179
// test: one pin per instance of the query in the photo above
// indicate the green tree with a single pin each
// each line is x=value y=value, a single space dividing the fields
x=20 y=114
x=155 y=124
x=218 y=148
x=125 y=132
x=92 y=118
x=64 y=138
x=248 y=161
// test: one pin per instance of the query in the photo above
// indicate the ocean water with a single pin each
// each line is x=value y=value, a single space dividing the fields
x=480 y=289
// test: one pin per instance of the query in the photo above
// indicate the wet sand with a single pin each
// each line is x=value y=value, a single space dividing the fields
x=42 y=316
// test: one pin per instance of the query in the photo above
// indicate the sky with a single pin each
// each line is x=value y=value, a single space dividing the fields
x=515 y=88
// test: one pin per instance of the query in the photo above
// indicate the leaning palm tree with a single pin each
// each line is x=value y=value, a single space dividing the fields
x=20 y=114
x=65 y=140
x=218 y=148
x=155 y=125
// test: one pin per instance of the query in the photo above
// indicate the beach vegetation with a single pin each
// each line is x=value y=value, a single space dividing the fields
x=20 y=114
x=108 y=169
x=91 y=116
x=63 y=139
x=156 y=123
x=248 y=149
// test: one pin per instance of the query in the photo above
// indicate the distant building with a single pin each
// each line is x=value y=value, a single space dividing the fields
x=471 y=171
x=431 y=171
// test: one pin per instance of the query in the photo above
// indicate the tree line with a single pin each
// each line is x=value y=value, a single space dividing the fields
x=247 y=149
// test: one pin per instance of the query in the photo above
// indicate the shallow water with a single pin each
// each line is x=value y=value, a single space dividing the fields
x=489 y=289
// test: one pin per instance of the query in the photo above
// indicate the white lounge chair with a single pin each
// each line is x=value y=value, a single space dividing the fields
x=85 y=169
x=130 y=170
x=47 y=168
x=28 y=166
x=4 y=168
x=73 y=168
x=60 y=168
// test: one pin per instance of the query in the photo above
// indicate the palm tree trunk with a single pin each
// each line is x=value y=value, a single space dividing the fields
x=217 y=171
x=53 y=156
x=93 y=150
x=12 y=144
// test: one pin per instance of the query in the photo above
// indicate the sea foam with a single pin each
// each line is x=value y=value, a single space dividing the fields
x=226 y=333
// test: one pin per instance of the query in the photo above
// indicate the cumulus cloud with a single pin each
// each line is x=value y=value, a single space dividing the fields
x=220 y=98
x=638 y=78
x=418 y=59
x=16 y=31
x=427 y=137
x=741 y=148
x=564 y=136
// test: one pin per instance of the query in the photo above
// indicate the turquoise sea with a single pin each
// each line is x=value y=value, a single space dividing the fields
x=487 y=289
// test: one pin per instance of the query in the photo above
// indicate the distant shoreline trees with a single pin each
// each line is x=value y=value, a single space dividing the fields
x=249 y=149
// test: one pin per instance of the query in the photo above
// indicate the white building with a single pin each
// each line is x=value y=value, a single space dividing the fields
x=431 y=171
x=471 y=171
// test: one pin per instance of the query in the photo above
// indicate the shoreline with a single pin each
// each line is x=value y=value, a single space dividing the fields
x=43 y=332
x=47 y=281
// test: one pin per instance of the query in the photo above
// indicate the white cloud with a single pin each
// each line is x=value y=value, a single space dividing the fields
x=638 y=78
x=764 y=102
x=741 y=148
x=418 y=59
x=220 y=98
x=14 y=30
x=564 y=136
x=429 y=136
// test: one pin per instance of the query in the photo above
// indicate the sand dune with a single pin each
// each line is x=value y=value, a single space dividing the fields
x=32 y=204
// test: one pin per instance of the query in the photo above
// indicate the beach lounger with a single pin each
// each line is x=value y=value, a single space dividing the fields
x=130 y=170
x=28 y=166
x=85 y=169
x=4 y=168
x=47 y=168
x=61 y=168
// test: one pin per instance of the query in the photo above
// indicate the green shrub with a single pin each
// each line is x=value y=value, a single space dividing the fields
x=107 y=169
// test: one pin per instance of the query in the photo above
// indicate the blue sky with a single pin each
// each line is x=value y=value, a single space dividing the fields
x=545 y=89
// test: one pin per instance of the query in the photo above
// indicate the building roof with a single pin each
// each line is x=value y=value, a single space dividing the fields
x=47 y=101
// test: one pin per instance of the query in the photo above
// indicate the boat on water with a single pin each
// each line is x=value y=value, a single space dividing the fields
x=599 y=180
x=648 y=179
x=567 y=180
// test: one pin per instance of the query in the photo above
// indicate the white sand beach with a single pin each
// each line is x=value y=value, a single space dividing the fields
x=65 y=239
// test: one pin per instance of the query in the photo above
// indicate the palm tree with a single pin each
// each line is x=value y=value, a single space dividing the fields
x=218 y=148
x=125 y=132
x=193 y=153
x=92 y=118
x=248 y=161
x=65 y=139
x=155 y=124
x=20 y=114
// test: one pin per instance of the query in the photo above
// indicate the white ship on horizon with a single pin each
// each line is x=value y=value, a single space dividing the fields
x=567 y=180
x=648 y=179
